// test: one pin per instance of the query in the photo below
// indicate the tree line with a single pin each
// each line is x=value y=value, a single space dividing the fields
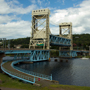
x=80 y=41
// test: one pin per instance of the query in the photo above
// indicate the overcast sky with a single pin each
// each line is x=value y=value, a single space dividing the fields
x=15 y=16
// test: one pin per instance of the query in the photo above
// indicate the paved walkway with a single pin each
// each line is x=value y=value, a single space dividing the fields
x=8 y=66
x=41 y=82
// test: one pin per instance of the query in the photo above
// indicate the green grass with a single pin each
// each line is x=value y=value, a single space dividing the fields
x=15 y=83
x=70 y=87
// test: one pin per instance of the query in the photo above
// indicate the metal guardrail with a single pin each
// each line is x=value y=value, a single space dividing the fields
x=18 y=76
x=43 y=76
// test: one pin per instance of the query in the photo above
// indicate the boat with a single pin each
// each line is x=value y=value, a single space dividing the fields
x=84 y=58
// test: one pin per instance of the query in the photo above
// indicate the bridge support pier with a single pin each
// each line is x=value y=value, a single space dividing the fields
x=1 y=56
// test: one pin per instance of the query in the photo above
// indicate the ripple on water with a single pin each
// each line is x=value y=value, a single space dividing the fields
x=75 y=72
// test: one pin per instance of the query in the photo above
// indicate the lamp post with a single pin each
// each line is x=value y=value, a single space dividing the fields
x=4 y=43
x=9 y=44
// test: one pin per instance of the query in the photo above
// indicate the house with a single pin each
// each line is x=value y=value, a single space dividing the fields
x=17 y=46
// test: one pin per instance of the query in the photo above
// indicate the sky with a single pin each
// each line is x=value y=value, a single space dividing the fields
x=16 y=16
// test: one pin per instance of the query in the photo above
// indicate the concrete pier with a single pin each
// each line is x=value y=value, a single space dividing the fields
x=1 y=56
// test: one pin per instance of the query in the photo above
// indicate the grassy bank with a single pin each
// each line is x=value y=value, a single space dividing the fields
x=83 y=56
x=15 y=83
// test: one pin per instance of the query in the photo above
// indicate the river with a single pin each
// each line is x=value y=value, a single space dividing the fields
x=74 y=72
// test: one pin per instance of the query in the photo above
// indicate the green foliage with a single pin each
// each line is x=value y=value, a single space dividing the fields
x=82 y=41
x=25 y=46
x=70 y=87
x=54 y=53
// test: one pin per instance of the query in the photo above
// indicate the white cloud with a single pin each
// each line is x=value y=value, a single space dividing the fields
x=12 y=7
x=78 y=29
x=54 y=30
x=6 y=18
x=47 y=3
x=79 y=16
x=61 y=1
x=40 y=2
x=33 y=1
x=15 y=29
x=11 y=26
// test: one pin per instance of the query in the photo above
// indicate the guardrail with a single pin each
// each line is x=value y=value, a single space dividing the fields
x=18 y=76
x=43 y=76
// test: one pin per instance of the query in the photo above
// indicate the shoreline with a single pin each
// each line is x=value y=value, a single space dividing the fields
x=8 y=82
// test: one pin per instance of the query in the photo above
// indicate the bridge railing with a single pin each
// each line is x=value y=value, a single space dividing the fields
x=18 y=76
x=43 y=76
x=34 y=73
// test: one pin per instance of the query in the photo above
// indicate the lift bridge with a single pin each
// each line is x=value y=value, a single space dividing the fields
x=41 y=39
x=41 y=34
x=39 y=47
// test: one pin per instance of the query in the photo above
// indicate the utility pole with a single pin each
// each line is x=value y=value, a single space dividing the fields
x=4 y=44
x=9 y=44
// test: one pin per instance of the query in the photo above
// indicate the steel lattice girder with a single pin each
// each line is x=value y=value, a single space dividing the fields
x=34 y=55
x=59 y=41
x=67 y=53
x=39 y=55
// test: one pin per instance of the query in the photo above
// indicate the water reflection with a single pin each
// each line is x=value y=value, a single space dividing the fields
x=75 y=72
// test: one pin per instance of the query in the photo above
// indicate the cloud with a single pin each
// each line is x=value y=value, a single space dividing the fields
x=79 y=16
x=15 y=29
x=6 y=18
x=40 y=2
x=54 y=30
x=14 y=7
x=61 y=1
x=47 y=3
x=33 y=1
x=11 y=26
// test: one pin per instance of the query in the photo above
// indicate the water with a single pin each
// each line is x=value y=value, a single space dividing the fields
x=75 y=72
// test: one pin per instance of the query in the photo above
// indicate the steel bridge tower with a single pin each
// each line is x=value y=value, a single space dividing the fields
x=40 y=29
x=66 y=32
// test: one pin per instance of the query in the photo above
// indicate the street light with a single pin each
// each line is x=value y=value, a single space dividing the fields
x=9 y=44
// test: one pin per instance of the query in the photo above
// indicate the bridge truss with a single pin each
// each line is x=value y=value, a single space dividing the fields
x=41 y=35
x=40 y=29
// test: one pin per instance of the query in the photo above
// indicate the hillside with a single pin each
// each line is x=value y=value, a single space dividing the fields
x=80 y=41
